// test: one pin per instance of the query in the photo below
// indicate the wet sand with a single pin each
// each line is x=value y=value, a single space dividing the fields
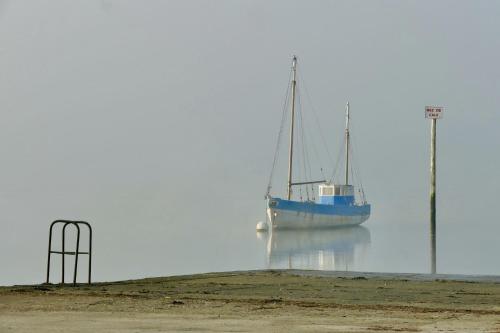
x=258 y=301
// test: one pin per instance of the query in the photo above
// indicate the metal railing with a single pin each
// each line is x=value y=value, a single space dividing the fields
x=75 y=253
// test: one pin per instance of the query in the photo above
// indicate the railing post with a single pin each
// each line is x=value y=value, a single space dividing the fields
x=63 y=250
x=76 y=251
x=50 y=250
x=90 y=249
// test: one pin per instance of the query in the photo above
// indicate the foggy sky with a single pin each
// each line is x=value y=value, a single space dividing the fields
x=160 y=117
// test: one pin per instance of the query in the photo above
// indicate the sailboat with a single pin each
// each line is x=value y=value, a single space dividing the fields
x=336 y=205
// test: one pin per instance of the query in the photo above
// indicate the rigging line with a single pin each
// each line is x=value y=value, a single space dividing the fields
x=283 y=119
x=318 y=156
x=307 y=166
x=297 y=144
x=296 y=156
x=315 y=115
x=302 y=138
x=339 y=158
x=354 y=176
x=354 y=157
x=361 y=190
x=355 y=165
x=355 y=169
x=351 y=167
x=313 y=143
x=308 y=160
x=315 y=150
x=316 y=153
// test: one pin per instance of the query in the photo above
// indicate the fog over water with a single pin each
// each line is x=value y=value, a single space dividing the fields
x=156 y=121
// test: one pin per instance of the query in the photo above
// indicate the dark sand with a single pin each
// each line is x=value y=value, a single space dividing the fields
x=272 y=301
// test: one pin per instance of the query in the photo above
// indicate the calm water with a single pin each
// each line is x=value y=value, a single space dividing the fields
x=144 y=250
x=160 y=128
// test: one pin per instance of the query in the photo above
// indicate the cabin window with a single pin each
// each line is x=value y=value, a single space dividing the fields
x=327 y=191
x=337 y=191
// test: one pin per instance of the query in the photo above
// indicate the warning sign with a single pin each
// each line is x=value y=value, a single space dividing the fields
x=434 y=112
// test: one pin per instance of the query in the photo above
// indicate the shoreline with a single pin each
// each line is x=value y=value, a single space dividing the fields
x=314 y=273
x=262 y=300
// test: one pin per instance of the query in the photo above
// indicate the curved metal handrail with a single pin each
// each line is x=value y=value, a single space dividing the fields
x=63 y=250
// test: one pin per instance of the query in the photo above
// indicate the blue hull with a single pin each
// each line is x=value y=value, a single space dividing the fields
x=296 y=214
x=315 y=208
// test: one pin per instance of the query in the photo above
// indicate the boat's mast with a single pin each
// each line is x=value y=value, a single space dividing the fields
x=290 y=155
x=347 y=144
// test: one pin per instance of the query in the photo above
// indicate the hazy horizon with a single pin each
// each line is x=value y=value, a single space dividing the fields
x=156 y=121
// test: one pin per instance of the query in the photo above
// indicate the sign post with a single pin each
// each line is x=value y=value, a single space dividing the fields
x=433 y=113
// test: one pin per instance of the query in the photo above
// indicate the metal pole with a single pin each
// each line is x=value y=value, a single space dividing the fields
x=347 y=144
x=77 y=251
x=433 y=196
x=90 y=251
x=290 y=155
x=63 y=252
x=50 y=250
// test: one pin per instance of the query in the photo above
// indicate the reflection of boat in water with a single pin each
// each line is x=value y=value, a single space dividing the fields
x=326 y=249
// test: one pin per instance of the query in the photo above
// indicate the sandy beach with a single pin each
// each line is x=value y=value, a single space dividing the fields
x=258 y=301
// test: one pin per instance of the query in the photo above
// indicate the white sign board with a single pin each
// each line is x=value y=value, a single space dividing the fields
x=434 y=112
